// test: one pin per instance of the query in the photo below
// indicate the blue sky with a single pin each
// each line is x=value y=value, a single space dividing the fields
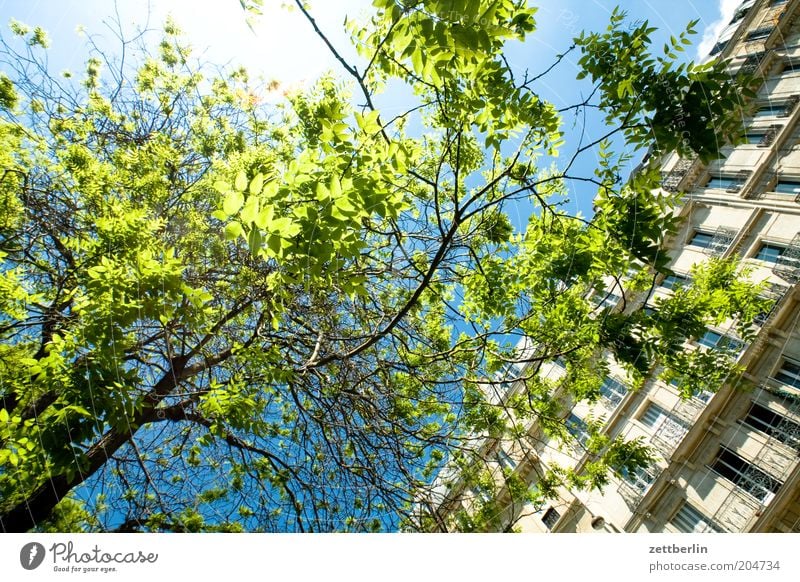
x=284 y=48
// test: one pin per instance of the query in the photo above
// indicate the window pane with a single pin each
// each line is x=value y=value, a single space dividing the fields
x=769 y=110
x=718 y=341
x=745 y=475
x=672 y=281
x=789 y=374
x=753 y=137
x=653 y=415
x=718 y=48
x=701 y=239
x=505 y=460
x=759 y=33
x=769 y=252
x=690 y=520
x=612 y=391
x=774 y=424
x=641 y=479
x=710 y=339
x=577 y=428
x=722 y=182
x=550 y=518
x=787 y=187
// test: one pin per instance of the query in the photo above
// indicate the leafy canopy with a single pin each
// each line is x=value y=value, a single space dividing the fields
x=220 y=312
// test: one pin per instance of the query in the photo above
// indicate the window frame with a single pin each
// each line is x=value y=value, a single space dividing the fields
x=689 y=515
x=703 y=233
x=773 y=426
x=547 y=518
x=759 y=33
x=791 y=180
x=793 y=377
x=737 y=468
x=768 y=258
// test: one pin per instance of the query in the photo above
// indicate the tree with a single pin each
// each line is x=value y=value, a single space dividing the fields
x=223 y=314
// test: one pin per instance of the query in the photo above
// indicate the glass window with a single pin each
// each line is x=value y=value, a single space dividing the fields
x=505 y=460
x=789 y=374
x=753 y=137
x=717 y=341
x=640 y=479
x=653 y=415
x=723 y=182
x=787 y=187
x=701 y=239
x=612 y=391
x=577 y=428
x=690 y=520
x=745 y=475
x=769 y=252
x=790 y=67
x=759 y=33
x=675 y=280
x=710 y=339
x=770 y=110
x=774 y=424
x=550 y=518
x=718 y=48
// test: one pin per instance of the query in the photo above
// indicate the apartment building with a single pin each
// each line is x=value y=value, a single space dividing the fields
x=727 y=461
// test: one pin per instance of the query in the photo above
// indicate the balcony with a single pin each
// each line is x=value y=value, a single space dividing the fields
x=671 y=181
x=720 y=241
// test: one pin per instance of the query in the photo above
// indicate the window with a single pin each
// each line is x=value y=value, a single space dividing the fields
x=718 y=48
x=723 y=182
x=754 y=137
x=769 y=252
x=603 y=299
x=640 y=479
x=763 y=316
x=773 y=424
x=550 y=518
x=768 y=111
x=717 y=341
x=668 y=431
x=577 y=428
x=790 y=67
x=612 y=391
x=505 y=460
x=680 y=383
x=654 y=415
x=789 y=374
x=675 y=280
x=701 y=239
x=739 y=14
x=787 y=187
x=745 y=475
x=690 y=520
x=759 y=33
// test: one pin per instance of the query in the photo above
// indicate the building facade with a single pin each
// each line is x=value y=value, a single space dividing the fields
x=727 y=461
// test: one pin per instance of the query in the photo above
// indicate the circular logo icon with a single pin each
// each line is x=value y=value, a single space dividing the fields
x=31 y=555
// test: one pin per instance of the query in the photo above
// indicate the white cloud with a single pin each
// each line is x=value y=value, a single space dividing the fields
x=713 y=30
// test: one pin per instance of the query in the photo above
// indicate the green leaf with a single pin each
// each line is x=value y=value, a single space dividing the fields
x=233 y=230
x=250 y=211
x=256 y=184
x=232 y=203
x=241 y=182
x=254 y=241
